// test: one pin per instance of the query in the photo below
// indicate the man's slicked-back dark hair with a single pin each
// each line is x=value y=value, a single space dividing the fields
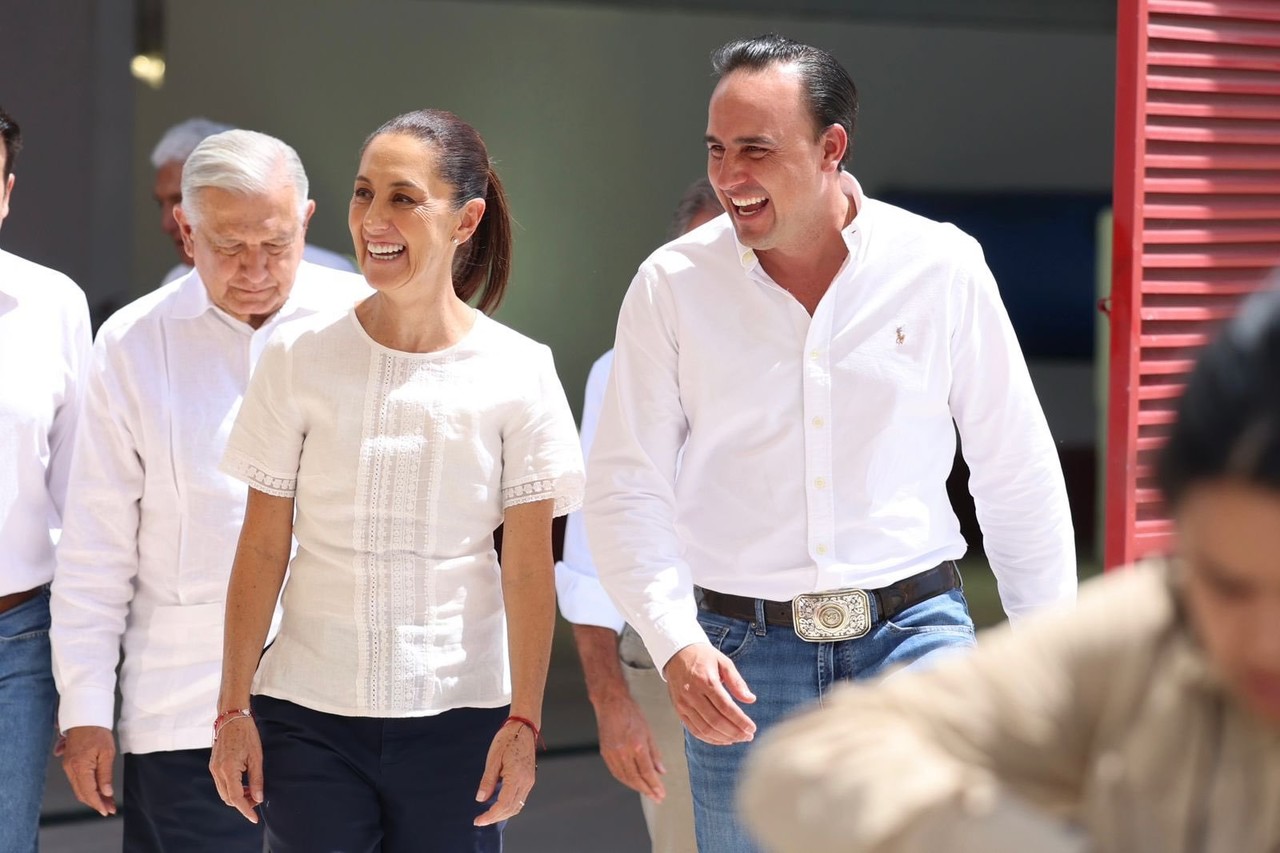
x=12 y=135
x=1228 y=421
x=833 y=99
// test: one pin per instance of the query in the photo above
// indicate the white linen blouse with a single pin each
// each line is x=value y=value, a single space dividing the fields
x=401 y=466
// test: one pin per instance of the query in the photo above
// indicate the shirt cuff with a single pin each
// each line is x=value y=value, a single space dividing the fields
x=669 y=635
x=583 y=600
x=86 y=706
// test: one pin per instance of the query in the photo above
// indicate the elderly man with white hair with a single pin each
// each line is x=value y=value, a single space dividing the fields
x=151 y=524
x=167 y=158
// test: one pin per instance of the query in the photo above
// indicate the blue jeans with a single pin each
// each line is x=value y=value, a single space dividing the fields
x=28 y=701
x=786 y=673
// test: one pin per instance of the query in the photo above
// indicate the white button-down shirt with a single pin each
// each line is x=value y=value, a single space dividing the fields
x=582 y=598
x=44 y=343
x=817 y=449
x=151 y=524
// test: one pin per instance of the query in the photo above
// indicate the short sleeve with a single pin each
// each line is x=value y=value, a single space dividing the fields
x=541 y=457
x=266 y=441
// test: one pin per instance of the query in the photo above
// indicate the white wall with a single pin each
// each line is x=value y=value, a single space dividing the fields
x=596 y=117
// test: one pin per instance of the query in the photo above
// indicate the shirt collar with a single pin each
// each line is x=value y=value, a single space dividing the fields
x=192 y=299
x=11 y=287
x=747 y=256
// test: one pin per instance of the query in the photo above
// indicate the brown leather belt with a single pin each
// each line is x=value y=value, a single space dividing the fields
x=13 y=599
x=890 y=600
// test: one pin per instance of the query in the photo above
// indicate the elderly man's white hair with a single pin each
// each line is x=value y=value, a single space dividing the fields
x=244 y=162
x=180 y=140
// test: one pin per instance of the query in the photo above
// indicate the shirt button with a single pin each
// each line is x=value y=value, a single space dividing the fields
x=821 y=549
x=815 y=355
x=818 y=422
x=819 y=483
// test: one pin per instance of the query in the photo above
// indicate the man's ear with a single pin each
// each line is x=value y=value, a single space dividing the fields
x=4 y=197
x=184 y=228
x=835 y=143
x=306 y=213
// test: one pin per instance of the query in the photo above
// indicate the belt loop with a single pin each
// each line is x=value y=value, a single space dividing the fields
x=761 y=627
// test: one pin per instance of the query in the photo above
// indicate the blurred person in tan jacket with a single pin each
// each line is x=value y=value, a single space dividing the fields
x=1146 y=719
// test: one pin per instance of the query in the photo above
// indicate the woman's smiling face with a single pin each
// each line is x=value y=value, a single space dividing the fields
x=403 y=219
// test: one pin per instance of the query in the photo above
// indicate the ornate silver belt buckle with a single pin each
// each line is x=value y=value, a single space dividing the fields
x=824 y=617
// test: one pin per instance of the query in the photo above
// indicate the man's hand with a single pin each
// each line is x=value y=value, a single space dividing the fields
x=703 y=684
x=626 y=744
x=87 y=760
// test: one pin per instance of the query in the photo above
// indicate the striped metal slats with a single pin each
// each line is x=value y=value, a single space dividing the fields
x=1197 y=220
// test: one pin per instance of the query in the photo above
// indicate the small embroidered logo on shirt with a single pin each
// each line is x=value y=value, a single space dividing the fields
x=901 y=336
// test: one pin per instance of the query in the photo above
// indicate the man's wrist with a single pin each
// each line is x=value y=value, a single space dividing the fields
x=603 y=696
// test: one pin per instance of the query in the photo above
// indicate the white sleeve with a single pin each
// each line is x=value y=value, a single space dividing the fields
x=62 y=433
x=541 y=459
x=631 y=476
x=1015 y=475
x=98 y=550
x=582 y=599
x=264 y=449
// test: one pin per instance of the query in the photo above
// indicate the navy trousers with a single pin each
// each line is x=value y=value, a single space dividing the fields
x=371 y=785
x=172 y=806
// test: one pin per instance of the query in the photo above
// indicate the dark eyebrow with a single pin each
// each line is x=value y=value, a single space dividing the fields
x=742 y=140
x=395 y=184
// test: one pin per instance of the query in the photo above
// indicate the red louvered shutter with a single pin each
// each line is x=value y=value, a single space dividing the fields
x=1197 y=220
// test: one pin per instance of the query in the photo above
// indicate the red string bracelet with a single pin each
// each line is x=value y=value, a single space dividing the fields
x=525 y=721
x=227 y=716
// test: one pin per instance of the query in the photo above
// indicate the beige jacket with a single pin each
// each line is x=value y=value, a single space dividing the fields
x=1095 y=729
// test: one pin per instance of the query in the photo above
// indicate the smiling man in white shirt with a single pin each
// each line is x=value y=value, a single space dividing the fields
x=151 y=525
x=808 y=359
x=44 y=343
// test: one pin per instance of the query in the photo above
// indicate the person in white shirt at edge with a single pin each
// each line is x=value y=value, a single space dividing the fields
x=44 y=343
x=173 y=149
x=641 y=738
x=400 y=705
x=151 y=524
x=809 y=354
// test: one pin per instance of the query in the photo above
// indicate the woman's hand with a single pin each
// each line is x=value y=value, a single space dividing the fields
x=238 y=751
x=513 y=762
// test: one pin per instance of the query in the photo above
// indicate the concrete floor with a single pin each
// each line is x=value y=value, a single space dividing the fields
x=576 y=807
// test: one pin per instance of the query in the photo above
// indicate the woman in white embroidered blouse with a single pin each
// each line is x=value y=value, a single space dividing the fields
x=393 y=710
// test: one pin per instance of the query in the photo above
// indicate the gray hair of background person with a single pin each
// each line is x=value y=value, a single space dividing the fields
x=833 y=99
x=244 y=162
x=180 y=140
x=12 y=135
x=1228 y=423
x=699 y=196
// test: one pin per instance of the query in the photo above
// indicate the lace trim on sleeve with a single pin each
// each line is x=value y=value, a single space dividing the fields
x=566 y=492
x=246 y=471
